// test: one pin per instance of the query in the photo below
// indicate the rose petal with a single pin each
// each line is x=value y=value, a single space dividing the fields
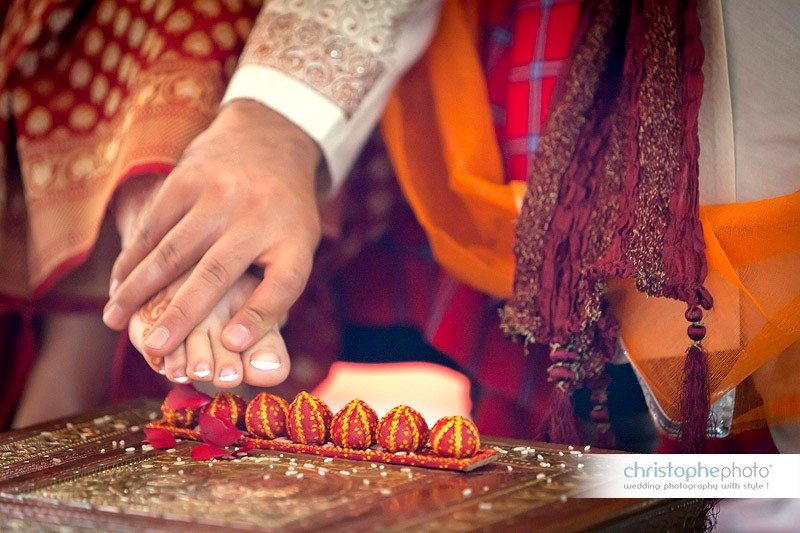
x=246 y=448
x=160 y=438
x=204 y=452
x=186 y=397
x=215 y=431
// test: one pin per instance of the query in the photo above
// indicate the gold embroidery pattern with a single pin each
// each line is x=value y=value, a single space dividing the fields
x=659 y=144
x=551 y=160
x=337 y=47
x=92 y=157
x=131 y=96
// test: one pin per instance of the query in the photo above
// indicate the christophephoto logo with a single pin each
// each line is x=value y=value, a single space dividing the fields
x=690 y=476
x=657 y=474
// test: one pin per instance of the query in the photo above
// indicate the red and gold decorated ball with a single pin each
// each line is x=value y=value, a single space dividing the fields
x=309 y=420
x=266 y=416
x=455 y=436
x=402 y=430
x=354 y=426
x=183 y=418
x=228 y=407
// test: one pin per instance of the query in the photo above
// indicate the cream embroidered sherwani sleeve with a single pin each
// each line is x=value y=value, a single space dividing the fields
x=329 y=66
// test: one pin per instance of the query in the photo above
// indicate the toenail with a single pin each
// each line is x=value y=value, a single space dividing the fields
x=237 y=335
x=228 y=374
x=202 y=370
x=157 y=339
x=112 y=315
x=265 y=361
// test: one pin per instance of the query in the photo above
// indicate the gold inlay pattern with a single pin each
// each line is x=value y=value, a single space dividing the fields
x=28 y=447
x=273 y=491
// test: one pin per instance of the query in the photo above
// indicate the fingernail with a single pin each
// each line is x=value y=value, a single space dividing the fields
x=157 y=339
x=162 y=371
x=112 y=315
x=237 y=335
x=228 y=374
x=265 y=361
x=202 y=370
x=113 y=288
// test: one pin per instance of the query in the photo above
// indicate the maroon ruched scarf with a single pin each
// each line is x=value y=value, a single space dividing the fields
x=613 y=191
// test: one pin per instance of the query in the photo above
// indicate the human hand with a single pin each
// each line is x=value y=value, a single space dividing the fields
x=244 y=192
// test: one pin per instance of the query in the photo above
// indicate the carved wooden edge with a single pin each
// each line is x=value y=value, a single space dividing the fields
x=687 y=515
x=60 y=456
x=145 y=404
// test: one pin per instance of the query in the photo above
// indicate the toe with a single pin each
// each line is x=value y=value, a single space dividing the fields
x=199 y=356
x=175 y=365
x=157 y=364
x=266 y=363
x=227 y=364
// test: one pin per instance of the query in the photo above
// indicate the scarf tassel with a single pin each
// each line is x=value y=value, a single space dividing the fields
x=560 y=425
x=599 y=415
x=695 y=405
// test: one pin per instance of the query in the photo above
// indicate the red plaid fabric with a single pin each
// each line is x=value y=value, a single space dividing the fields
x=397 y=282
x=525 y=49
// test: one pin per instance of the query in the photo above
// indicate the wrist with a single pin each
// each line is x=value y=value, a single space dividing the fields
x=270 y=128
x=130 y=200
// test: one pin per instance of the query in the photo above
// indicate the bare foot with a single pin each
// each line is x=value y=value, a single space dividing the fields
x=202 y=356
x=73 y=363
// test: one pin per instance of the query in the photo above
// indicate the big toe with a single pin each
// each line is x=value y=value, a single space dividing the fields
x=266 y=363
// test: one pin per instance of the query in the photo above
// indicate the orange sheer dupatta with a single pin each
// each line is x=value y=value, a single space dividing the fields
x=753 y=339
x=440 y=136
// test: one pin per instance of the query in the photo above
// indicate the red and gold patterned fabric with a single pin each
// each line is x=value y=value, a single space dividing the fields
x=94 y=93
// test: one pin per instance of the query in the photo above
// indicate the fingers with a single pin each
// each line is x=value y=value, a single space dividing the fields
x=207 y=284
x=169 y=205
x=283 y=283
x=266 y=364
x=180 y=248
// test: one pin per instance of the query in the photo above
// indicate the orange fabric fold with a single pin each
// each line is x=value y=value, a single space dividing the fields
x=439 y=133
